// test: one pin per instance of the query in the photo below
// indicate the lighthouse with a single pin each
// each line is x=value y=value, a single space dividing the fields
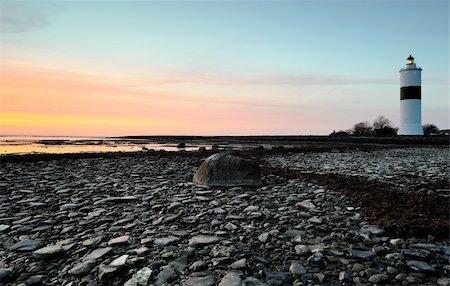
x=410 y=99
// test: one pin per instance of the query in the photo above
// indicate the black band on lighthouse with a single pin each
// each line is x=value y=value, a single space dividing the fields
x=410 y=92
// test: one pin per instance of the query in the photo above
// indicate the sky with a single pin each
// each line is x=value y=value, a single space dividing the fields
x=112 y=68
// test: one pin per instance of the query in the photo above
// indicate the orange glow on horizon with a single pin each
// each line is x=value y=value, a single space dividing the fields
x=35 y=100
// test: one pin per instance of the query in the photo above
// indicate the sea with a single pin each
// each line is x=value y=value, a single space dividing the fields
x=61 y=145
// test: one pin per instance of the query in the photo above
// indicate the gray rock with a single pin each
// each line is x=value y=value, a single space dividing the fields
x=232 y=278
x=166 y=275
x=98 y=253
x=121 y=240
x=380 y=279
x=345 y=276
x=278 y=278
x=35 y=280
x=416 y=253
x=48 y=251
x=302 y=249
x=222 y=250
x=119 y=261
x=317 y=258
x=4 y=227
x=263 y=237
x=297 y=269
x=106 y=272
x=198 y=266
x=5 y=274
x=252 y=281
x=362 y=254
x=444 y=281
x=142 y=276
x=163 y=241
x=26 y=245
x=420 y=266
x=225 y=170
x=201 y=281
x=427 y=246
x=240 y=264
x=83 y=268
x=204 y=239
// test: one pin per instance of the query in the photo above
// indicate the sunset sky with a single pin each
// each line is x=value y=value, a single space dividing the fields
x=110 y=68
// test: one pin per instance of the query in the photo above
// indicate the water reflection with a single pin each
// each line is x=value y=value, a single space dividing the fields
x=60 y=145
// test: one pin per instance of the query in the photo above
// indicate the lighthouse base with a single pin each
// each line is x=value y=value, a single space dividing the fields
x=410 y=129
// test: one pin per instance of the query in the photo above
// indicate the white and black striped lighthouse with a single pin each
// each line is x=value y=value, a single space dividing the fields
x=410 y=99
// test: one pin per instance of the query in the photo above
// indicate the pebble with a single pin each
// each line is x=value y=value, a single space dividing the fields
x=83 y=268
x=297 y=269
x=420 y=266
x=380 y=279
x=201 y=281
x=204 y=239
x=232 y=278
x=48 y=251
x=114 y=218
x=26 y=245
x=121 y=240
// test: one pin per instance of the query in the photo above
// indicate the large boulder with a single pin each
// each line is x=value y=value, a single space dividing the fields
x=227 y=170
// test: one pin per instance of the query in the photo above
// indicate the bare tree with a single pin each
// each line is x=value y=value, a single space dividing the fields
x=381 y=122
x=429 y=129
x=362 y=129
x=383 y=126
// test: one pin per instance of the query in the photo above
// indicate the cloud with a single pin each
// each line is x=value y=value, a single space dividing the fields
x=291 y=80
x=15 y=19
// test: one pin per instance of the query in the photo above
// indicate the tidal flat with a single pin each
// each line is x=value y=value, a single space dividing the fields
x=335 y=215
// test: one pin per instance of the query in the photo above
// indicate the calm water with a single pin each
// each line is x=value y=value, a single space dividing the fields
x=37 y=144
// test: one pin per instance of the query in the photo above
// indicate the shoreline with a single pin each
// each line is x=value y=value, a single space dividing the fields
x=365 y=209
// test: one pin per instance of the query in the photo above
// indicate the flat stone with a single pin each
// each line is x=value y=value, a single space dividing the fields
x=420 y=266
x=204 y=239
x=306 y=205
x=198 y=266
x=240 y=264
x=222 y=250
x=297 y=269
x=252 y=281
x=201 y=281
x=263 y=237
x=278 y=278
x=427 y=246
x=163 y=241
x=315 y=219
x=166 y=275
x=35 y=280
x=106 y=272
x=416 y=253
x=83 y=268
x=119 y=261
x=232 y=278
x=444 y=281
x=142 y=276
x=26 y=245
x=5 y=274
x=121 y=240
x=98 y=253
x=380 y=279
x=302 y=249
x=48 y=251
x=4 y=227
x=345 y=276
x=362 y=254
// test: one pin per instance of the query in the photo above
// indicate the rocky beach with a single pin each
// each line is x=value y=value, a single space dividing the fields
x=334 y=216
